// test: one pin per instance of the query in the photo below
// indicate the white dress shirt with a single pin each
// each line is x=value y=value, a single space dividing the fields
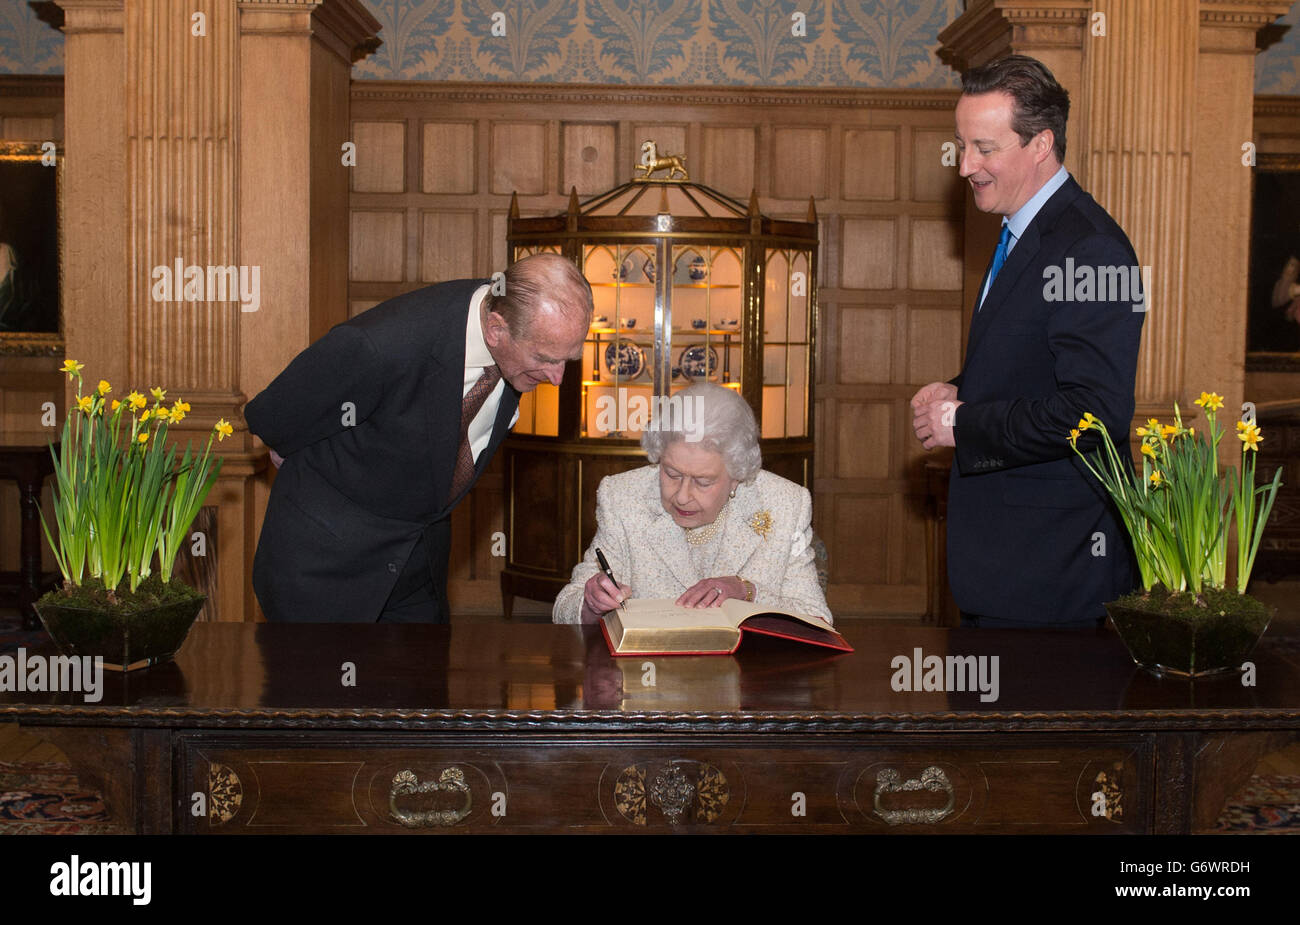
x=477 y=358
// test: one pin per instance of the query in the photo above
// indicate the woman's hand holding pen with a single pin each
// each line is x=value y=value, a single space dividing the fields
x=600 y=596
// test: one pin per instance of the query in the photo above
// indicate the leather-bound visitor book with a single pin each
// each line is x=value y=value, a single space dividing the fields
x=660 y=627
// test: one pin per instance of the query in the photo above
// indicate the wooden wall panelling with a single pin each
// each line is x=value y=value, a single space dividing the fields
x=449 y=244
x=449 y=157
x=728 y=159
x=588 y=157
x=381 y=158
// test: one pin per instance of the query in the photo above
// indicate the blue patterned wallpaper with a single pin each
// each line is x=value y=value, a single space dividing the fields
x=840 y=43
x=797 y=43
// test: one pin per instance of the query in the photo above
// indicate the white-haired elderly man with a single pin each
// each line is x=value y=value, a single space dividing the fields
x=701 y=523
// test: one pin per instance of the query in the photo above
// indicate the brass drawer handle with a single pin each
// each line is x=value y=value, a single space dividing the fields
x=451 y=780
x=932 y=778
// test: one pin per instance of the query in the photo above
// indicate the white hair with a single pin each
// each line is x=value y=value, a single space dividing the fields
x=718 y=418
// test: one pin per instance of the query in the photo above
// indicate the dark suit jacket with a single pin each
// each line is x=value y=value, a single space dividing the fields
x=368 y=421
x=1023 y=510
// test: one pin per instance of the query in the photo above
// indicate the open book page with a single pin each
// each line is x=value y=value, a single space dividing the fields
x=665 y=614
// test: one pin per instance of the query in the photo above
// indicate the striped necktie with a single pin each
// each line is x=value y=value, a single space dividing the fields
x=470 y=407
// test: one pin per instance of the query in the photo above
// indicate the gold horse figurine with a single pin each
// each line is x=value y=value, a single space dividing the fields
x=652 y=162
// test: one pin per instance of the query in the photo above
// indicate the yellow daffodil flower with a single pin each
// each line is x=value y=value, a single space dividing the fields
x=223 y=430
x=1153 y=423
x=1251 y=438
x=1210 y=401
x=1142 y=432
x=144 y=437
x=144 y=417
x=162 y=414
x=113 y=407
x=158 y=393
x=1169 y=430
x=1074 y=435
x=1157 y=479
x=1242 y=425
x=104 y=387
x=1086 y=421
x=72 y=367
x=177 y=414
x=1148 y=450
x=137 y=400
x=85 y=403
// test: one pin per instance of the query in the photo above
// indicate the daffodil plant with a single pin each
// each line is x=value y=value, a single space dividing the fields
x=1180 y=508
x=121 y=499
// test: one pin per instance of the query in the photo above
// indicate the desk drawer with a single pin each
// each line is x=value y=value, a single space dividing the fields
x=262 y=782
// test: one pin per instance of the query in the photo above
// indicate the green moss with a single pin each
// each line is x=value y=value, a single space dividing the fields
x=152 y=593
x=1184 y=605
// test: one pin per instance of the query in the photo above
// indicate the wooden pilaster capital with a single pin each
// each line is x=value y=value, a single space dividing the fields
x=991 y=28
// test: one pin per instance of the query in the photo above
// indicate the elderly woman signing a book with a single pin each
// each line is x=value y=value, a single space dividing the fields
x=702 y=523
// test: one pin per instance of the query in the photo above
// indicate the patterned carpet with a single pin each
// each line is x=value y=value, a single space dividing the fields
x=42 y=798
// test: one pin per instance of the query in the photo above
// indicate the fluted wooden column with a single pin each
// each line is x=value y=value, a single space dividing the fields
x=1161 y=104
x=176 y=153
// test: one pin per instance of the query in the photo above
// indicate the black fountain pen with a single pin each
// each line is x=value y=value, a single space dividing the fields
x=604 y=567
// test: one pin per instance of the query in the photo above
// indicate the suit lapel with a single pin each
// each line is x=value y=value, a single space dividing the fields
x=739 y=537
x=1019 y=260
x=501 y=427
x=445 y=398
x=1022 y=257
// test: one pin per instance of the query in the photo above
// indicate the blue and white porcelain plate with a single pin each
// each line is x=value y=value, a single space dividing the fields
x=698 y=362
x=624 y=360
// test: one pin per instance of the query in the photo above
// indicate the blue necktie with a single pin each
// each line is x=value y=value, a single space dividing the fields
x=999 y=258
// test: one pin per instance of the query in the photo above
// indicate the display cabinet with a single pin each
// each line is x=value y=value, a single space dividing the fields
x=688 y=284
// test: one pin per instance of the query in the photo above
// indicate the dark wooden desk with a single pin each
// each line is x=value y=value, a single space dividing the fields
x=528 y=728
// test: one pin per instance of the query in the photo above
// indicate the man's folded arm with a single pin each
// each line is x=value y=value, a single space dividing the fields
x=335 y=383
x=1094 y=345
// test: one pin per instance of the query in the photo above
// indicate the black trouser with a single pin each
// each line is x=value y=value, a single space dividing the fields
x=414 y=598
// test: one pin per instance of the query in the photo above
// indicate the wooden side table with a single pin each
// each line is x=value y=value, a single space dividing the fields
x=27 y=463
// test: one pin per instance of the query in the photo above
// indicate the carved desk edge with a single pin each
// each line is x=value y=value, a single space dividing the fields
x=548 y=722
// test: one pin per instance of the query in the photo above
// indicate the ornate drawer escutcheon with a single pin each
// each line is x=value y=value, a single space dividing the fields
x=225 y=794
x=406 y=783
x=684 y=791
x=932 y=778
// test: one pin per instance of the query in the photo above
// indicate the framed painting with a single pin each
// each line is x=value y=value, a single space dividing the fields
x=1273 y=289
x=31 y=313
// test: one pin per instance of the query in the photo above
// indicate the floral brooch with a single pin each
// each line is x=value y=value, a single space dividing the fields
x=761 y=523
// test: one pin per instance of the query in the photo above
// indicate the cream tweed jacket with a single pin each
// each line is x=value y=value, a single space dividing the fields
x=765 y=540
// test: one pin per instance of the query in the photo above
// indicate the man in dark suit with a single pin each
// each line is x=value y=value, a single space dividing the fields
x=384 y=424
x=1032 y=538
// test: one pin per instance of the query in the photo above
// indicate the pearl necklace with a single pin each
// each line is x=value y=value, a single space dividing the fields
x=698 y=536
